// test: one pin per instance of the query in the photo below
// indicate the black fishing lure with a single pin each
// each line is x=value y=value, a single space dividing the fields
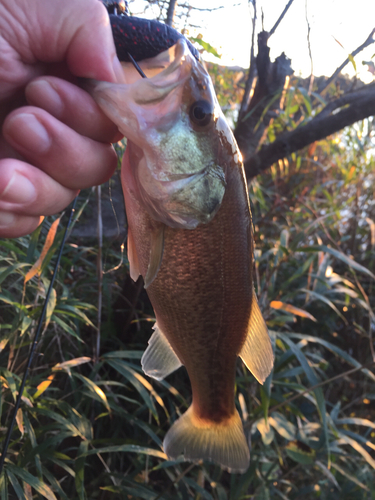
x=142 y=38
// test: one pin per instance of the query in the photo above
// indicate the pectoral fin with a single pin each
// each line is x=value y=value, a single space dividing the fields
x=156 y=254
x=159 y=359
x=132 y=257
x=257 y=351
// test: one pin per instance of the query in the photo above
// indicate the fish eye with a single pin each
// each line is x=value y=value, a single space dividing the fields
x=201 y=113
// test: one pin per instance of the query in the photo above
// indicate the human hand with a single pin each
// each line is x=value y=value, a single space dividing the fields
x=54 y=138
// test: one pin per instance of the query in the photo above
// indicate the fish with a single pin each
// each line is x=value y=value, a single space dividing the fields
x=190 y=236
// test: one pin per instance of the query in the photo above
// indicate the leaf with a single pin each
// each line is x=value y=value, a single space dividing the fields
x=50 y=307
x=285 y=428
x=67 y=425
x=28 y=491
x=10 y=269
x=324 y=299
x=206 y=46
x=37 y=267
x=300 y=452
x=277 y=304
x=341 y=45
x=19 y=420
x=339 y=255
x=328 y=474
x=16 y=485
x=11 y=383
x=43 y=386
x=201 y=492
x=331 y=347
x=266 y=431
x=3 y=487
x=38 y=485
x=128 y=448
x=351 y=59
x=66 y=327
x=313 y=380
x=31 y=433
x=55 y=484
x=94 y=388
x=140 y=383
x=123 y=354
x=346 y=474
x=75 y=312
x=366 y=455
x=66 y=365
x=80 y=470
x=356 y=421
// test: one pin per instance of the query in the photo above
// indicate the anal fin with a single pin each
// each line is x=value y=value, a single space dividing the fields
x=257 y=353
x=159 y=359
x=156 y=254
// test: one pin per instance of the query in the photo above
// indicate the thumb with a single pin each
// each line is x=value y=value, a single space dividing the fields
x=75 y=31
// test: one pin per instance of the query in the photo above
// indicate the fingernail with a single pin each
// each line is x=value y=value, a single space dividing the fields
x=7 y=219
x=19 y=190
x=118 y=70
x=44 y=92
x=25 y=130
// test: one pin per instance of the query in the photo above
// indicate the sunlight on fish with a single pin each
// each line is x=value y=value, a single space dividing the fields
x=190 y=237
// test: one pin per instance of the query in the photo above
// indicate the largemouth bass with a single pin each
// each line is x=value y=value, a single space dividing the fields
x=190 y=237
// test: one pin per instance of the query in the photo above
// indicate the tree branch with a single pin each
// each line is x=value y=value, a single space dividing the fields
x=252 y=69
x=369 y=40
x=267 y=98
x=171 y=12
x=280 y=18
x=338 y=114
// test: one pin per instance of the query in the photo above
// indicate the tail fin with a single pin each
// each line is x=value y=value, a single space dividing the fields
x=223 y=443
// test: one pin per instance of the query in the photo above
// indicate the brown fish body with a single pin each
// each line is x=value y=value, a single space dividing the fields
x=190 y=237
x=203 y=292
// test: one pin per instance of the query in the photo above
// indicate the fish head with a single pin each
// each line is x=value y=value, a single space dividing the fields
x=175 y=119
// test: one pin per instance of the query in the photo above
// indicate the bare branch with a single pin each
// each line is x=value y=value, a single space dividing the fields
x=338 y=114
x=281 y=17
x=369 y=40
x=252 y=68
x=187 y=6
x=171 y=12
x=310 y=54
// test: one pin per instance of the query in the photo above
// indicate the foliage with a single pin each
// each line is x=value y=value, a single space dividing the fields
x=93 y=428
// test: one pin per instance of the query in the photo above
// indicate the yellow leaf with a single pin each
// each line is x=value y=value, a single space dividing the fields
x=19 y=420
x=28 y=491
x=50 y=307
x=43 y=386
x=3 y=343
x=350 y=174
x=66 y=365
x=277 y=304
x=37 y=267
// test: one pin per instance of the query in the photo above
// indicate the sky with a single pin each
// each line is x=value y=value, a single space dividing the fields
x=337 y=27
